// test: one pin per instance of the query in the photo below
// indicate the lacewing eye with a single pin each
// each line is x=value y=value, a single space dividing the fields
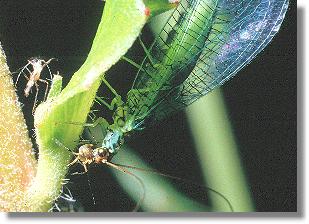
x=103 y=152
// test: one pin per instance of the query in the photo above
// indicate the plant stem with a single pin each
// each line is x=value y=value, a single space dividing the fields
x=17 y=163
x=218 y=154
x=161 y=195
x=55 y=136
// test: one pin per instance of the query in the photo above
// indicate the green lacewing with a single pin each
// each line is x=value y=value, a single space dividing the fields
x=203 y=44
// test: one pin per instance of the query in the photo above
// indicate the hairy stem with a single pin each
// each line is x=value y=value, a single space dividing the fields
x=17 y=164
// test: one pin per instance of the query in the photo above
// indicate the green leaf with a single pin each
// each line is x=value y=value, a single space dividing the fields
x=121 y=23
x=56 y=87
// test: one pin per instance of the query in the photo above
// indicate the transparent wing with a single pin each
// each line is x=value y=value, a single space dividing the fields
x=239 y=31
x=251 y=30
x=172 y=56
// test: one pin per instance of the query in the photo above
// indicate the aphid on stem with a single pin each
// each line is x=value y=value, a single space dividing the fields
x=88 y=154
x=33 y=77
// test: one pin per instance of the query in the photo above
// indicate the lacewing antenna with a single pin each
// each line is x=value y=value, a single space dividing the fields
x=135 y=177
x=178 y=178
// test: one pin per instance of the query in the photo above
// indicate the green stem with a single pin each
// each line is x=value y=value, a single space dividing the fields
x=218 y=154
x=161 y=195
x=116 y=33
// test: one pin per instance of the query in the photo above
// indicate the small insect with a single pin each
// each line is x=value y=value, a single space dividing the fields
x=33 y=77
x=88 y=154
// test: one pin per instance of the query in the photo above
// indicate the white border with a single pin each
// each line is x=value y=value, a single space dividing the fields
x=112 y=218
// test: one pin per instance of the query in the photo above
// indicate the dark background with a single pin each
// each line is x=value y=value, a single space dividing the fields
x=261 y=101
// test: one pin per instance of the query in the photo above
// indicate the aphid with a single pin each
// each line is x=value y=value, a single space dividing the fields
x=33 y=77
x=88 y=154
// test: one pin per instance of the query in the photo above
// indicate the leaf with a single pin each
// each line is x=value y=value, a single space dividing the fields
x=121 y=23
